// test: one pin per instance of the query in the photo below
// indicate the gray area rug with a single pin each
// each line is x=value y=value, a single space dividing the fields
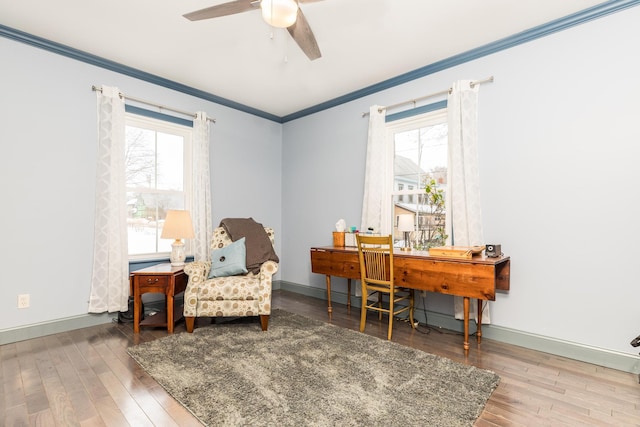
x=304 y=372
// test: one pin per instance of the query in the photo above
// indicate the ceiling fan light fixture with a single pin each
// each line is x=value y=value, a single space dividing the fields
x=279 y=13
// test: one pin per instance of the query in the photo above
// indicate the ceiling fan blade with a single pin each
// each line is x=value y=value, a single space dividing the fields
x=224 y=9
x=302 y=34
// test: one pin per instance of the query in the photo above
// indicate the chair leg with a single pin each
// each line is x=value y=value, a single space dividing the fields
x=391 y=296
x=363 y=310
x=412 y=308
x=264 y=321
x=189 y=322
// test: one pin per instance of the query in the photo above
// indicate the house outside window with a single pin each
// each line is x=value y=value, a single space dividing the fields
x=419 y=146
x=158 y=174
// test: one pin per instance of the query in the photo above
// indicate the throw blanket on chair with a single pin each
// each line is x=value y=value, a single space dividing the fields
x=259 y=248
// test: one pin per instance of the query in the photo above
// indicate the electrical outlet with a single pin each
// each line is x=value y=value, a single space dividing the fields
x=23 y=301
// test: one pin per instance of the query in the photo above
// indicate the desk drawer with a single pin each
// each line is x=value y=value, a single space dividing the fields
x=340 y=264
x=152 y=280
x=453 y=278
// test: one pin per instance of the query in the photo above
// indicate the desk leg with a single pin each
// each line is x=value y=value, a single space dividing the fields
x=329 y=309
x=348 y=295
x=170 y=313
x=466 y=326
x=479 y=330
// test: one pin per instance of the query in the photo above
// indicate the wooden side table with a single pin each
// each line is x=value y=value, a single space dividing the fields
x=162 y=278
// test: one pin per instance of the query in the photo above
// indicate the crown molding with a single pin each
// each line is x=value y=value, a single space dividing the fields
x=578 y=18
x=531 y=34
x=91 y=59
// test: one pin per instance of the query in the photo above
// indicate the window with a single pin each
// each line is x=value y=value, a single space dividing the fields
x=419 y=147
x=157 y=179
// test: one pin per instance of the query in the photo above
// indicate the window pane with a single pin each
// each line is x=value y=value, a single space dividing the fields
x=170 y=161
x=146 y=214
x=420 y=163
x=140 y=159
x=419 y=153
x=157 y=180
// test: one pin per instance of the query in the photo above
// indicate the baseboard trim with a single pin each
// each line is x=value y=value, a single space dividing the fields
x=38 y=330
x=597 y=356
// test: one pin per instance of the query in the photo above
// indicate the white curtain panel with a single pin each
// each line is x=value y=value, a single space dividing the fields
x=464 y=215
x=201 y=204
x=110 y=276
x=376 y=203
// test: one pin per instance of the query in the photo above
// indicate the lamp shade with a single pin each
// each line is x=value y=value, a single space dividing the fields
x=279 y=13
x=405 y=223
x=177 y=225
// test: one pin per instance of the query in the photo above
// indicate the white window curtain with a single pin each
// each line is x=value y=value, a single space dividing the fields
x=201 y=203
x=376 y=203
x=464 y=216
x=110 y=276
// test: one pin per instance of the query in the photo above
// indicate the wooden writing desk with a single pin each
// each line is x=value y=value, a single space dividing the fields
x=478 y=277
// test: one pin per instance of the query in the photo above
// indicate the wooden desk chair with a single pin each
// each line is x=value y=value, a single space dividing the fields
x=376 y=271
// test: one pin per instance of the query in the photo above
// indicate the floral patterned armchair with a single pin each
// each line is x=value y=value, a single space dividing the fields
x=231 y=296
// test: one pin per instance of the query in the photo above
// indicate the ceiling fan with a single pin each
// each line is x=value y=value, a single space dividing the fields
x=278 y=13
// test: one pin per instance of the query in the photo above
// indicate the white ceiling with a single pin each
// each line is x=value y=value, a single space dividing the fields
x=242 y=59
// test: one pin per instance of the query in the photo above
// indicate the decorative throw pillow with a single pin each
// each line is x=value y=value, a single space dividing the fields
x=229 y=260
x=259 y=247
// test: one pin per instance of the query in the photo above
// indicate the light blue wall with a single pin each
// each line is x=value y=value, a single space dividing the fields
x=559 y=143
x=558 y=149
x=47 y=166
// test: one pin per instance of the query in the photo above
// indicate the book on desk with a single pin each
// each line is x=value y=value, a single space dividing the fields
x=459 y=252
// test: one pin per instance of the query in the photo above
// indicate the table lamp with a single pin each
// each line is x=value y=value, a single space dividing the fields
x=177 y=225
x=405 y=224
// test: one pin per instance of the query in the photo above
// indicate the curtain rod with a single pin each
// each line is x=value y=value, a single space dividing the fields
x=152 y=104
x=422 y=98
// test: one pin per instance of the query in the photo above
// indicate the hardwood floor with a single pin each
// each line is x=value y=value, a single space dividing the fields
x=86 y=378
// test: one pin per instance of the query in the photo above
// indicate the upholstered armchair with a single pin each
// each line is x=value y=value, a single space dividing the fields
x=229 y=296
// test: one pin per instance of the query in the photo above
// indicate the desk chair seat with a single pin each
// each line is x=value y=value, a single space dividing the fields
x=376 y=271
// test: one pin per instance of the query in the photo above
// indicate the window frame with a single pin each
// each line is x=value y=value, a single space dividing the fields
x=430 y=115
x=158 y=123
